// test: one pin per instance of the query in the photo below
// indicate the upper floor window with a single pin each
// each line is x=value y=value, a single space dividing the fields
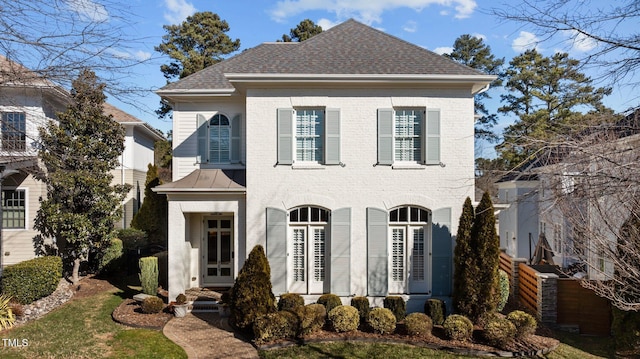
x=308 y=135
x=14 y=131
x=218 y=139
x=13 y=209
x=408 y=135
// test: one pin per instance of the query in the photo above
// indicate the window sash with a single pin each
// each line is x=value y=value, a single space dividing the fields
x=219 y=139
x=13 y=209
x=309 y=136
x=14 y=131
x=408 y=135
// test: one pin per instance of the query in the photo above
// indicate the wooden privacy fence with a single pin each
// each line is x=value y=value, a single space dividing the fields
x=555 y=299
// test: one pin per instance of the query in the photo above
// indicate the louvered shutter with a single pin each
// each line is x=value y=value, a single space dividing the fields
x=341 y=251
x=385 y=136
x=442 y=249
x=432 y=137
x=203 y=136
x=236 y=136
x=285 y=136
x=332 y=137
x=377 y=270
x=277 y=248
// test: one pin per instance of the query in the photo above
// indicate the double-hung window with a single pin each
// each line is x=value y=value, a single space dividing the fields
x=308 y=136
x=13 y=209
x=14 y=131
x=408 y=135
x=218 y=139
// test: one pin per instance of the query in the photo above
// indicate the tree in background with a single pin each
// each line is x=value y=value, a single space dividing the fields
x=199 y=42
x=485 y=242
x=163 y=157
x=152 y=215
x=305 y=30
x=79 y=151
x=465 y=271
x=473 y=52
x=547 y=95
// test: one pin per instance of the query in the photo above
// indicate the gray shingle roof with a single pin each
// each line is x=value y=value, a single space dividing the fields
x=350 y=48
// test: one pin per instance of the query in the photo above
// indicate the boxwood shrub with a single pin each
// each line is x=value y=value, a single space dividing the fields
x=396 y=305
x=344 y=318
x=382 y=320
x=273 y=326
x=436 y=310
x=499 y=331
x=458 y=327
x=31 y=280
x=290 y=301
x=329 y=301
x=525 y=323
x=363 y=307
x=418 y=324
x=152 y=305
x=312 y=318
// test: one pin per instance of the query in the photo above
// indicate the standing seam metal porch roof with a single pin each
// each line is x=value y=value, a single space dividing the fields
x=350 y=48
x=203 y=180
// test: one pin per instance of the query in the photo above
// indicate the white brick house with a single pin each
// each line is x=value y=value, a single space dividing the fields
x=347 y=156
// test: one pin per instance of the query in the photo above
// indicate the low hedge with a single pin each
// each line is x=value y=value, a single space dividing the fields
x=31 y=280
x=329 y=301
x=290 y=301
x=274 y=326
x=312 y=318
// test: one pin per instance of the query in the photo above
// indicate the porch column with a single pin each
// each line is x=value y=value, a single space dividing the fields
x=177 y=230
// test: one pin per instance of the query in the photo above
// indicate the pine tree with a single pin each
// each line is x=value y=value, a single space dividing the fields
x=79 y=151
x=464 y=263
x=251 y=295
x=152 y=216
x=487 y=255
x=305 y=30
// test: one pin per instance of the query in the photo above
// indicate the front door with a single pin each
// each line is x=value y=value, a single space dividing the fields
x=217 y=251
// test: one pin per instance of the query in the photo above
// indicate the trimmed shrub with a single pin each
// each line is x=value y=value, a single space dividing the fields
x=111 y=258
x=181 y=299
x=273 y=326
x=31 y=280
x=312 y=318
x=132 y=238
x=344 y=318
x=418 y=324
x=329 y=301
x=458 y=327
x=382 y=320
x=499 y=331
x=152 y=305
x=625 y=329
x=397 y=306
x=363 y=307
x=504 y=290
x=149 y=275
x=525 y=323
x=487 y=317
x=251 y=295
x=7 y=319
x=436 y=310
x=290 y=301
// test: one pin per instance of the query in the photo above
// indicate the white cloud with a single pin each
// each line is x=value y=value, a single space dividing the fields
x=367 y=11
x=178 y=10
x=326 y=24
x=410 y=26
x=138 y=55
x=582 y=43
x=526 y=41
x=142 y=55
x=443 y=50
x=119 y=54
x=480 y=36
x=88 y=10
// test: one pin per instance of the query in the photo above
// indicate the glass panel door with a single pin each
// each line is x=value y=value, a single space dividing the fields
x=298 y=261
x=397 y=264
x=317 y=261
x=418 y=260
x=217 y=251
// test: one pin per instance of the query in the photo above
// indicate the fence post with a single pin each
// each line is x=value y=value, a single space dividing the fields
x=515 y=277
x=547 y=298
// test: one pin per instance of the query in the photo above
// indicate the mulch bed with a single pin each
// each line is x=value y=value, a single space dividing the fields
x=130 y=314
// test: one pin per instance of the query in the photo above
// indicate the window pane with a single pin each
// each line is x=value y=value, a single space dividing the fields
x=309 y=135
x=219 y=139
x=293 y=215
x=299 y=255
x=13 y=209
x=397 y=255
x=394 y=216
x=415 y=217
x=318 y=254
x=212 y=248
x=403 y=214
x=324 y=215
x=14 y=131
x=304 y=214
x=225 y=247
x=418 y=254
x=315 y=214
x=408 y=132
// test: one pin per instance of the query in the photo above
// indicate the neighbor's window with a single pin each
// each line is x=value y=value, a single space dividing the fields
x=13 y=209
x=14 y=131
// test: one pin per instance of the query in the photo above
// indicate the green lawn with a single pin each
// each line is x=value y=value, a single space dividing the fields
x=83 y=328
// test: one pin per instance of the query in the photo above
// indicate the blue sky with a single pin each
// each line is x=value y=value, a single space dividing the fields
x=432 y=24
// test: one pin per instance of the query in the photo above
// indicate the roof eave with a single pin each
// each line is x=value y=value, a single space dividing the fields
x=436 y=78
x=198 y=190
x=196 y=92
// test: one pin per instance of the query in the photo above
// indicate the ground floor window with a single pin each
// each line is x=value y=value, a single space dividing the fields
x=408 y=250
x=13 y=209
x=307 y=247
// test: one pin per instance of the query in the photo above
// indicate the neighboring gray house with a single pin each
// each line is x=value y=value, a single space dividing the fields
x=347 y=156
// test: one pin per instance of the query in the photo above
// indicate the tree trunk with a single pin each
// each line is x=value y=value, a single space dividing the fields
x=75 y=277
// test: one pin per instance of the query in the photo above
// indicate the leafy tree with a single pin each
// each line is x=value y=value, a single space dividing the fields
x=486 y=247
x=199 y=42
x=473 y=52
x=465 y=270
x=305 y=30
x=152 y=216
x=546 y=95
x=251 y=294
x=79 y=152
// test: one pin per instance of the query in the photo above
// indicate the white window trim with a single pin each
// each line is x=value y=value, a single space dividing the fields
x=27 y=222
x=294 y=123
x=400 y=164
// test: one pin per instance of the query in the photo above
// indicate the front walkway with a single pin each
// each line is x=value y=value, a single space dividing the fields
x=206 y=335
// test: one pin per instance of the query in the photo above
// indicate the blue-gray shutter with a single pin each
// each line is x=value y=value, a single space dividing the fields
x=277 y=248
x=203 y=136
x=432 y=137
x=332 y=137
x=377 y=269
x=236 y=136
x=385 y=136
x=285 y=136
x=341 y=252
x=442 y=249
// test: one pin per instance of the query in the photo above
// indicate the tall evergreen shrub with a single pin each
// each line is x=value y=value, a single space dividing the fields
x=251 y=295
x=465 y=268
x=149 y=275
x=488 y=258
